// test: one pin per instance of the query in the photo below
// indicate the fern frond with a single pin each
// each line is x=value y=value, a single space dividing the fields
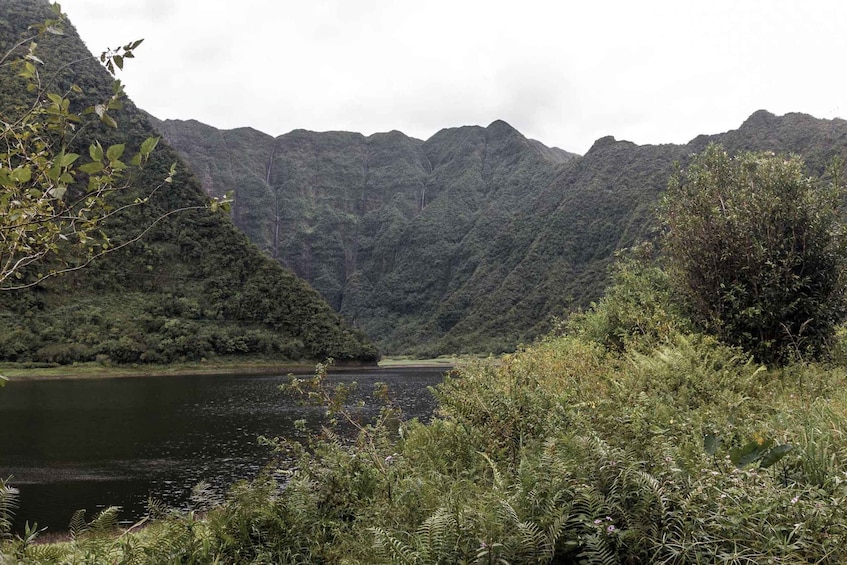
x=204 y=497
x=78 y=525
x=533 y=543
x=8 y=504
x=558 y=525
x=106 y=521
x=509 y=514
x=596 y=551
x=436 y=538
x=589 y=504
x=394 y=549
x=44 y=553
x=497 y=480
x=156 y=508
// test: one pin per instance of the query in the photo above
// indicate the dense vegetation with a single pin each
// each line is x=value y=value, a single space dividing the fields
x=472 y=240
x=193 y=288
x=622 y=438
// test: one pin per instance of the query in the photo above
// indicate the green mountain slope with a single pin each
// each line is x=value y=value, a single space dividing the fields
x=386 y=227
x=193 y=288
x=472 y=240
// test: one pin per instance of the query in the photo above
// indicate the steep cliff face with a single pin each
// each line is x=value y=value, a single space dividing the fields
x=386 y=227
x=475 y=238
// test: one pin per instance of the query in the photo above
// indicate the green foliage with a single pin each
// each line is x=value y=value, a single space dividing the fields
x=8 y=505
x=564 y=452
x=54 y=201
x=755 y=247
x=639 y=310
x=627 y=439
x=191 y=288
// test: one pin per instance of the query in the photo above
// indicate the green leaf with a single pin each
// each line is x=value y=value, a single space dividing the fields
x=743 y=456
x=66 y=159
x=95 y=150
x=28 y=70
x=148 y=145
x=109 y=121
x=711 y=443
x=774 y=455
x=54 y=172
x=57 y=192
x=92 y=167
x=21 y=174
x=114 y=152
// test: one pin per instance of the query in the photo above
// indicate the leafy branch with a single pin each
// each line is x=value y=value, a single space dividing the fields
x=55 y=201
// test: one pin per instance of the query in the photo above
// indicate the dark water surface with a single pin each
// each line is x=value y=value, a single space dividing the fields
x=117 y=441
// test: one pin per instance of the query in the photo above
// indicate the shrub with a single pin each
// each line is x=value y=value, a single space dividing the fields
x=755 y=248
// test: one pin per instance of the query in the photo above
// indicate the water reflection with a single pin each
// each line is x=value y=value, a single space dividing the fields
x=93 y=443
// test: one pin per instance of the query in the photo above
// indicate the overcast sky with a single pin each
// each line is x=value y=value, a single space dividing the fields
x=563 y=72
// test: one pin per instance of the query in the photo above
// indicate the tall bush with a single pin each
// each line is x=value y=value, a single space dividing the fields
x=755 y=247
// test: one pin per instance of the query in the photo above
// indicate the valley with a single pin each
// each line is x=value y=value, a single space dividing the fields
x=474 y=240
x=641 y=351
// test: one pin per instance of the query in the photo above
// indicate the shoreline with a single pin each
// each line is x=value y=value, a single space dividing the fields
x=95 y=371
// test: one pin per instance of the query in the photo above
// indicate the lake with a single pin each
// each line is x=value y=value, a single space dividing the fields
x=92 y=443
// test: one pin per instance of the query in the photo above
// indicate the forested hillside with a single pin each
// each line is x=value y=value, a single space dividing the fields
x=193 y=288
x=472 y=240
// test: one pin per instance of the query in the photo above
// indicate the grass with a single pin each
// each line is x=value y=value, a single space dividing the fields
x=22 y=371
x=406 y=361
x=16 y=371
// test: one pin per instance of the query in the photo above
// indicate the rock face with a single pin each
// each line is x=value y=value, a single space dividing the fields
x=469 y=241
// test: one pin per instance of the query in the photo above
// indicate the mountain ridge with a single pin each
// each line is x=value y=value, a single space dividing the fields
x=476 y=238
